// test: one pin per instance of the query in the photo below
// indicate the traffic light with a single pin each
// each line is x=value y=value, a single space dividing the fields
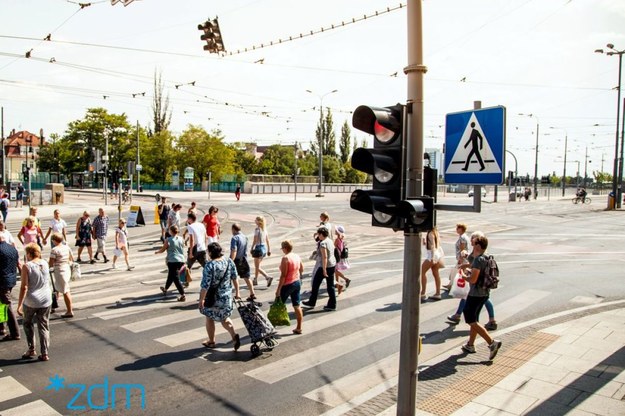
x=212 y=36
x=385 y=162
x=418 y=213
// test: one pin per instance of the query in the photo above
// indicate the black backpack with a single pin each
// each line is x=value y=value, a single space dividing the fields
x=491 y=274
x=4 y=204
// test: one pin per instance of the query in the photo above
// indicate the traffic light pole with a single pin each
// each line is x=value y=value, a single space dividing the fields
x=409 y=345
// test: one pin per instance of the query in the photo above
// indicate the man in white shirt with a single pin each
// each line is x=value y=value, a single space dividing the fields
x=197 y=241
x=6 y=234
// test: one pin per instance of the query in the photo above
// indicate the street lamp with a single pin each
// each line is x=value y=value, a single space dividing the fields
x=566 y=139
x=618 y=171
x=536 y=157
x=321 y=97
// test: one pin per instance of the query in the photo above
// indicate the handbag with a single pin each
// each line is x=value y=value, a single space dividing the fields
x=117 y=252
x=278 y=314
x=4 y=312
x=76 y=274
x=460 y=287
x=211 y=293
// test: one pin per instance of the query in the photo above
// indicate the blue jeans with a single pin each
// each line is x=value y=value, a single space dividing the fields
x=316 y=283
x=291 y=290
x=489 y=308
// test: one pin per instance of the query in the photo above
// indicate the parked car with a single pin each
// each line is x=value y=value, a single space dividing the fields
x=470 y=194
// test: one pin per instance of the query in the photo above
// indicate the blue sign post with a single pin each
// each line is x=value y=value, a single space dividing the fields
x=475 y=146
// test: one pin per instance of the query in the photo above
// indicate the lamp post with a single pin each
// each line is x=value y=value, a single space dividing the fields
x=536 y=156
x=321 y=97
x=566 y=141
x=29 y=148
x=618 y=168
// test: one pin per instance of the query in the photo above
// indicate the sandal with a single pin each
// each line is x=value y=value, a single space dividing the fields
x=29 y=354
x=209 y=344
x=237 y=342
x=297 y=331
x=67 y=315
x=163 y=290
x=435 y=297
x=182 y=298
x=251 y=298
x=44 y=357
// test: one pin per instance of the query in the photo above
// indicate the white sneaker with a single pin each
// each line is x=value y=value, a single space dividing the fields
x=468 y=348
x=114 y=266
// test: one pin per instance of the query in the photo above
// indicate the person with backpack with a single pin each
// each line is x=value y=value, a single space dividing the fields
x=4 y=205
x=163 y=214
x=479 y=278
x=466 y=265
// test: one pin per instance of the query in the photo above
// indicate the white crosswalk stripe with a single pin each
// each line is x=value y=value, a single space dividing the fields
x=12 y=389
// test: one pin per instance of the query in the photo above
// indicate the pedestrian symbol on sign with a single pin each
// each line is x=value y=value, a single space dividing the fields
x=475 y=149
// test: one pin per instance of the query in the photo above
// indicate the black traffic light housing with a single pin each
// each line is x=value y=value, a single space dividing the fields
x=385 y=163
x=212 y=36
x=418 y=213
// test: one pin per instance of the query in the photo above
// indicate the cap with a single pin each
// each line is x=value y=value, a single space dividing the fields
x=340 y=229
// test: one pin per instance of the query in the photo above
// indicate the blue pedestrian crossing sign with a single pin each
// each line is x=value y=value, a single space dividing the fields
x=475 y=146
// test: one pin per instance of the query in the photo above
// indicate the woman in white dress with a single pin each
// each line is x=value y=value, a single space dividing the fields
x=61 y=258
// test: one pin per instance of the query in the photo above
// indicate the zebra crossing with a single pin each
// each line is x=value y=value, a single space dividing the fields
x=132 y=301
x=12 y=389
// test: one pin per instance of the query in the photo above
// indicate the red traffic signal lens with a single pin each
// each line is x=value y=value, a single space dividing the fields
x=381 y=133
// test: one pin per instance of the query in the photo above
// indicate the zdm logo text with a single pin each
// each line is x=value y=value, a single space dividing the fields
x=106 y=395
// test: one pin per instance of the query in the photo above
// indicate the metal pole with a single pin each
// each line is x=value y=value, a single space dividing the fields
x=566 y=139
x=295 y=174
x=108 y=167
x=138 y=168
x=409 y=338
x=4 y=158
x=30 y=191
x=319 y=194
x=119 y=196
x=620 y=173
x=618 y=119
x=515 y=174
x=210 y=176
x=585 y=166
x=536 y=162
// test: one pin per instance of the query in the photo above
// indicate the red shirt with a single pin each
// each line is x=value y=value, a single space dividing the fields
x=212 y=225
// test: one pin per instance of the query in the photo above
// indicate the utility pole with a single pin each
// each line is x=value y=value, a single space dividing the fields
x=106 y=169
x=139 y=167
x=409 y=341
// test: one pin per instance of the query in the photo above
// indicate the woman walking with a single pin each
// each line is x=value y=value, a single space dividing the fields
x=217 y=278
x=83 y=236
x=260 y=249
x=174 y=245
x=434 y=262
x=213 y=227
x=35 y=301
x=57 y=225
x=60 y=259
x=121 y=244
x=342 y=264
x=30 y=232
x=324 y=267
x=290 y=285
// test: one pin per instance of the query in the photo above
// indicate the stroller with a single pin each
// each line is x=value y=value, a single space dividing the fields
x=258 y=326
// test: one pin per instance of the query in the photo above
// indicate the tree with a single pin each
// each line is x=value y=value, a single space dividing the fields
x=161 y=116
x=325 y=135
x=244 y=161
x=205 y=152
x=158 y=157
x=345 y=143
x=278 y=160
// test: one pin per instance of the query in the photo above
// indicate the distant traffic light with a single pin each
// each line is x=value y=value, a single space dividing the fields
x=385 y=162
x=212 y=36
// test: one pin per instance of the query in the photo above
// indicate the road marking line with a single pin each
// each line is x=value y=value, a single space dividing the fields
x=38 y=407
x=11 y=388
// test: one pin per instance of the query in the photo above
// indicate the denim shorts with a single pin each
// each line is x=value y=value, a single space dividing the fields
x=291 y=290
x=472 y=308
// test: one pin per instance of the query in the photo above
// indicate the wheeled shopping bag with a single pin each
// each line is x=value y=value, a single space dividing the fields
x=259 y=328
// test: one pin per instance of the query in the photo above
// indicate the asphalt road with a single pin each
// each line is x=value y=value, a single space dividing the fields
x=554 y=256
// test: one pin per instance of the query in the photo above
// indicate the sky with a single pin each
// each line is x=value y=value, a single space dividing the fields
x=531 y=56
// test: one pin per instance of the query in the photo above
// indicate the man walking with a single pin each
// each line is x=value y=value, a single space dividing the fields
x=238 y=254
x=163 y=214
x=19 y=198
x=9 y=259
x=478 y=296
x=197 y=242
x=100 y=230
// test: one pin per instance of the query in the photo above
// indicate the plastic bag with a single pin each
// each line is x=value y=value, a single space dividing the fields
x=4 y=312
x=460 y=287
x=76 y=274
x=278 y=314
x=437 y=256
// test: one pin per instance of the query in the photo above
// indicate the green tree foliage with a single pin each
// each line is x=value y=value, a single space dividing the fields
x=205 y=152
x=245 y=162
x=352 y=175
x=278 y=160
x=325 y=135
x=345 y=142
x=77 y=148
x=158 y=157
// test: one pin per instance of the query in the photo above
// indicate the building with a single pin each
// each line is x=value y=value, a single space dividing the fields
x=436 y=160
x=21 y=148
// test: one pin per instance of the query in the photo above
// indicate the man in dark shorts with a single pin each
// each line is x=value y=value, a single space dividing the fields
x=238 y=254
x=476 y=300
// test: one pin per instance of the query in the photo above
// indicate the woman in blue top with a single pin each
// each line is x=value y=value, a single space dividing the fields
x=174 y=244
x=219 y=272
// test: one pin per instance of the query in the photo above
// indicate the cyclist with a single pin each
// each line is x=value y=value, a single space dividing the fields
x=581 y=194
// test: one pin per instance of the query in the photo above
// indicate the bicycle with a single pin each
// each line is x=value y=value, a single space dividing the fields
x=126 y=198
x=578 y=199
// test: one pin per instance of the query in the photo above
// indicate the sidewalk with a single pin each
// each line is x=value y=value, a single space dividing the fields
x=575 y=367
